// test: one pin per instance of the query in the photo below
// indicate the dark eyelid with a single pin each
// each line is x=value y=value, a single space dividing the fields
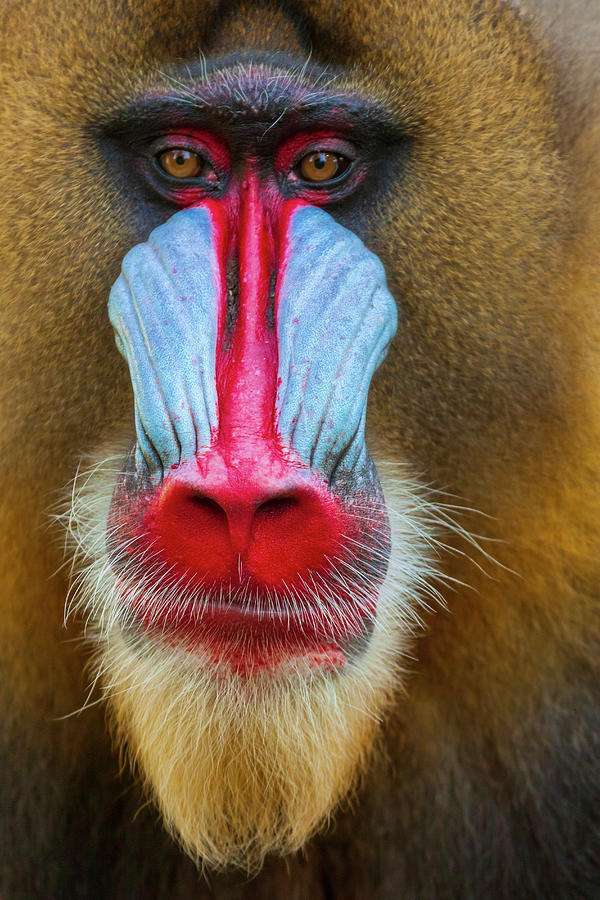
x=157 y=151
x=344 y=152
x=206 y=145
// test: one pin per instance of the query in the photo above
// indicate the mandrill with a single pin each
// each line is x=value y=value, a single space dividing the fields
x=301 y=302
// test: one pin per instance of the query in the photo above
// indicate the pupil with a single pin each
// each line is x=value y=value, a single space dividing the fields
x=180 y=160
x=320 y=161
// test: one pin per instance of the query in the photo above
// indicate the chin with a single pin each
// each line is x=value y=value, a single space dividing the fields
x=250 y=710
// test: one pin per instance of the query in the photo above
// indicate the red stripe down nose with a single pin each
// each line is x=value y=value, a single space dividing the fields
x=247 y=510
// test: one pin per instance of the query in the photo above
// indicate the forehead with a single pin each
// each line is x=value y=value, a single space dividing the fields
x=254 y=83
x=266 y=89
x=252 y=25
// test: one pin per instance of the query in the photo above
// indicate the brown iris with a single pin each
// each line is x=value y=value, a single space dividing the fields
x=322 y=166
x=181 y=163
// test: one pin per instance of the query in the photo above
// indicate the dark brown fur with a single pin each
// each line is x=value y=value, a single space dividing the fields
x=490 y=241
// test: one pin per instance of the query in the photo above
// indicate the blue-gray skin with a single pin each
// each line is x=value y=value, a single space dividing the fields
x=164 y=308
x=335 y=320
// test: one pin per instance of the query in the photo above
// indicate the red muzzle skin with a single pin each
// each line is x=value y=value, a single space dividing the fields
x=238 y=546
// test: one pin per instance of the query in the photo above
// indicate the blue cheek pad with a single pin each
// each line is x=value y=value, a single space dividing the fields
x=335 y=319
x=164 y=308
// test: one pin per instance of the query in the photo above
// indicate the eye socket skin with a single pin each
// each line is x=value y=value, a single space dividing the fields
x=185 y=166
x=180 y=162
x=319 y=164
x=200 y=157
x=317 y=167
x=322 y=166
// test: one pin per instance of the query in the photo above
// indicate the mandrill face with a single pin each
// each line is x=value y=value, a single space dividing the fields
x=245 y=606
x=249 y=577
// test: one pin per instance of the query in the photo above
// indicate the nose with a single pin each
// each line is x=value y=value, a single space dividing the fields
x=244 y=511
x=265 y=520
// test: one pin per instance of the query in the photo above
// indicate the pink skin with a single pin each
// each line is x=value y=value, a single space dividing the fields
x=206 y=143
x=248 y=513
x=292 y=150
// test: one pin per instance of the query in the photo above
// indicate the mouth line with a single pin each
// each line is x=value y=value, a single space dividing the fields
x=311 y=620
x=250 y=637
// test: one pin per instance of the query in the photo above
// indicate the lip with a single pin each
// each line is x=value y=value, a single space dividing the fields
x=304 y=623
x=253 y=636
x=250 y=658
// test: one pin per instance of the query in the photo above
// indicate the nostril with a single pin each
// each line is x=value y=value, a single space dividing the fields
x=292 y=533
x=193 y=530
x=208 y=507
x=279 y=517
x=276 y=507
x=201 y=514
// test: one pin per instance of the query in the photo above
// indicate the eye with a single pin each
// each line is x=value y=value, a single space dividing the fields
x=322 y=165
x=179 y=162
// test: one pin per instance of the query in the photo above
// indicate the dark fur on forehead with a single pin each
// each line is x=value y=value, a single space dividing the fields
x=249 y=86
x=260 y=88
x=259 y=25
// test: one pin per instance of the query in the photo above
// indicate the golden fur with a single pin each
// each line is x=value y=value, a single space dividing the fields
x=487 y=781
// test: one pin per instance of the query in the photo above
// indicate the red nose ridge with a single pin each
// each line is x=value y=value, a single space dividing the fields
x=244 y=512
x=269 y=522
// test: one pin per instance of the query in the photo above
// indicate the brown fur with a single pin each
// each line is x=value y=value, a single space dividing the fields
x=488 y=786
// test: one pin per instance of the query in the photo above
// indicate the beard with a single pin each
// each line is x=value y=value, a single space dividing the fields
x=240 y=766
